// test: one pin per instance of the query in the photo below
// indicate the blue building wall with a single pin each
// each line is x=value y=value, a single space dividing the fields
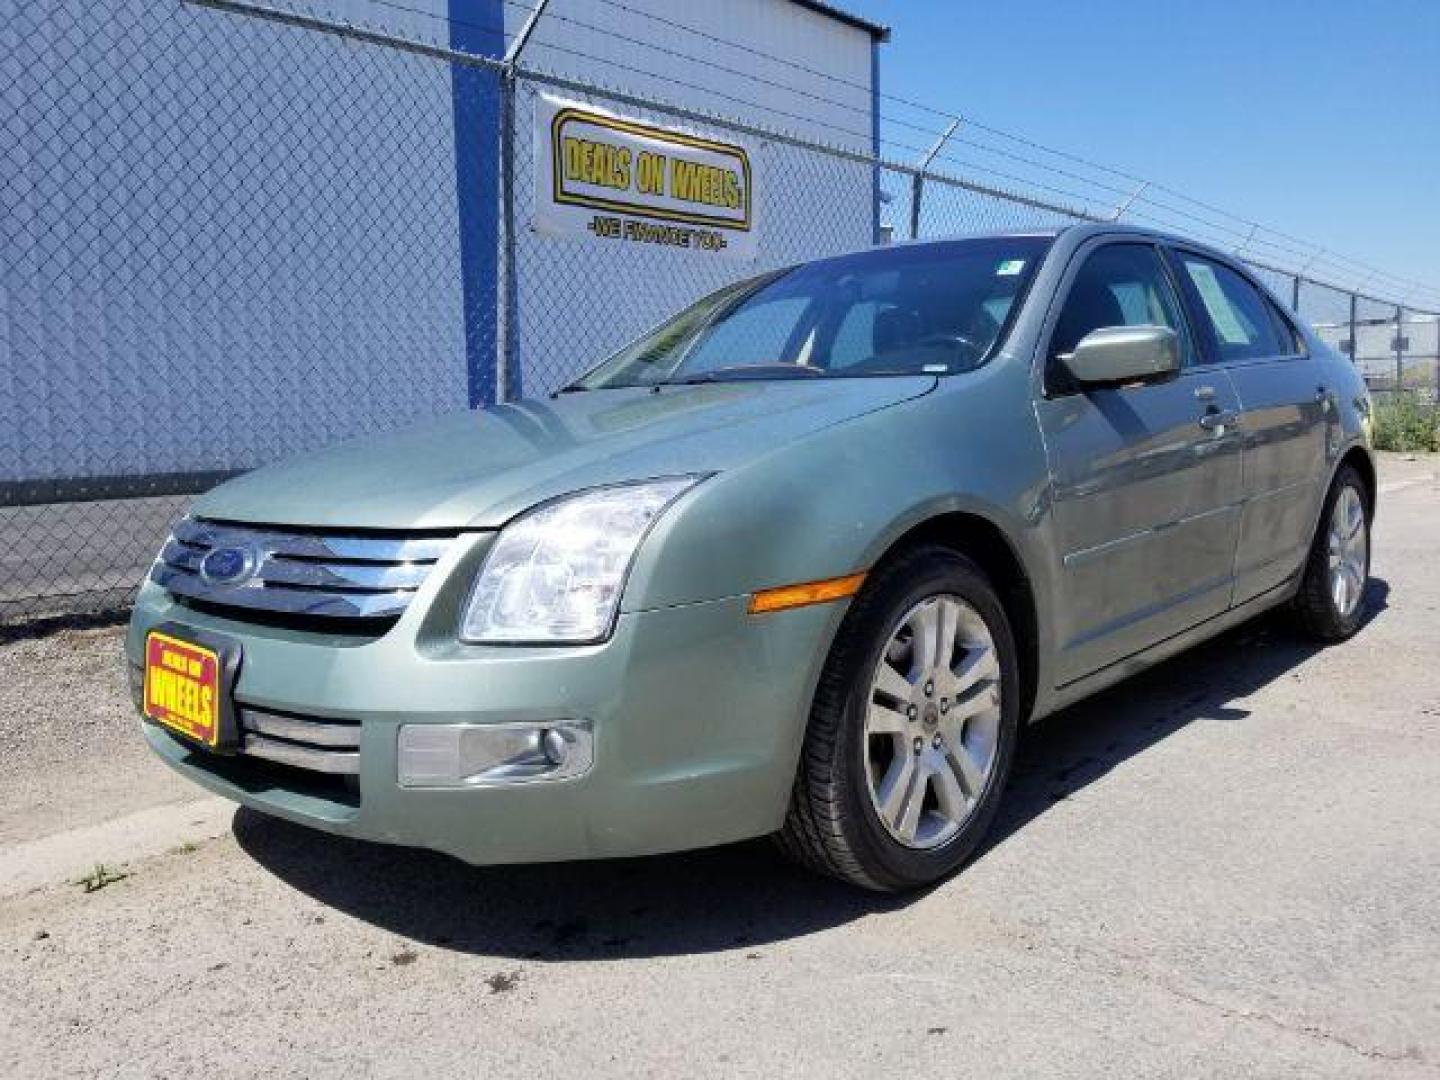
x=226 y=239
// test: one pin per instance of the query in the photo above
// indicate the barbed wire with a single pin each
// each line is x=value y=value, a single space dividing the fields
x=1245 y=233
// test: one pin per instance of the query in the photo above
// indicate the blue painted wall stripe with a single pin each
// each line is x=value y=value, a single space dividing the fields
x=478 y=27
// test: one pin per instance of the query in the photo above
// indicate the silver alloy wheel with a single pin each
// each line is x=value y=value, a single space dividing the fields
x=932 y=722
x=1349 y=552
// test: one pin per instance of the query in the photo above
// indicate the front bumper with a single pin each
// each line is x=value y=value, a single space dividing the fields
x=698 y=713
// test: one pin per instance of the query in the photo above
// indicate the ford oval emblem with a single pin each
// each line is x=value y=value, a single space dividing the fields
x=229 y=565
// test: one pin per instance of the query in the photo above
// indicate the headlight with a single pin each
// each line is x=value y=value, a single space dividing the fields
x=556 y=573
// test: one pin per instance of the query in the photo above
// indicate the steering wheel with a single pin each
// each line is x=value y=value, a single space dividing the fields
x=956 y=341
x=966 y=350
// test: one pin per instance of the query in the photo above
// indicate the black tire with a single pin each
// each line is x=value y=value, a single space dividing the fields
x=832 y=825
x=1314 y=609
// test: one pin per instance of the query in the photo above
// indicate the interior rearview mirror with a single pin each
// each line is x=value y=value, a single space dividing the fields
x=1122 y=354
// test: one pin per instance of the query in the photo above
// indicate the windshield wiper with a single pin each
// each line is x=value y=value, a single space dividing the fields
x=747 y=372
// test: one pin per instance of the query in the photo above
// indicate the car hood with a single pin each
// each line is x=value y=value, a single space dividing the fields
x=478 y=469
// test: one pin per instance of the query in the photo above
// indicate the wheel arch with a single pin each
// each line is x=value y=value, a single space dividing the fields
x=1360 y=459
x=979 y=538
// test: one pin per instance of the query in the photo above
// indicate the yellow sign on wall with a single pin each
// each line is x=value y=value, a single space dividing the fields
x=613 y=179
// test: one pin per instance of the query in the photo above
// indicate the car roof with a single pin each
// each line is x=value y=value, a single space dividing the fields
x=1077 y=233
x=1079 y=230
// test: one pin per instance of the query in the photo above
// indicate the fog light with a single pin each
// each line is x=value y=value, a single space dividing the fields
x=479 y=755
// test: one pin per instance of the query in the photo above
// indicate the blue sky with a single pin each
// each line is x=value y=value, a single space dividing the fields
x=1321 y=119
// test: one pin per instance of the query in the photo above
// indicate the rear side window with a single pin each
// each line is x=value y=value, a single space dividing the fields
x=1119 y=285
x=1239 y=318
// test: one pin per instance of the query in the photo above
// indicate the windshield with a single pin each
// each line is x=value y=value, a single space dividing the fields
x=927 y=309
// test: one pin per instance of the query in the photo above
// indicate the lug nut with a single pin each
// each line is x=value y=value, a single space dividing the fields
x=939 y=743
x=912 y=712
x=929 y=689
x=944 y=704
x=919 y=744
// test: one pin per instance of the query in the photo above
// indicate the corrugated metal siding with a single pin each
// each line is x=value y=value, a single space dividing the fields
x=833 y=106
x=197 y=212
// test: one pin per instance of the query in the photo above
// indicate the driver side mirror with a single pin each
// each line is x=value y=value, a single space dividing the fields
x=1124 y=354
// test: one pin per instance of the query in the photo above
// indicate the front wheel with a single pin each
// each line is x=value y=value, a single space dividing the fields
x=913 y=728
x=1330 y=605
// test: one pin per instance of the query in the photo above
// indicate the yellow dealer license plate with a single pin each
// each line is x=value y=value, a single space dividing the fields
x=182 y=687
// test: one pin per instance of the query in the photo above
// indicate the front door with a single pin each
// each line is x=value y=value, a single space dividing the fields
x=1145 y=479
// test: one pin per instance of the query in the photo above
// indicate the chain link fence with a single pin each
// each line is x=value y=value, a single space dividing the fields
x=235 y=231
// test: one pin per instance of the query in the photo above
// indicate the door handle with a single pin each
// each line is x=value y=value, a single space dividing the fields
x=1226 y=418
x=1204 y=393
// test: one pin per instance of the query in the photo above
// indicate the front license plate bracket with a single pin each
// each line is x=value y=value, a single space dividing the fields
x=189 y=686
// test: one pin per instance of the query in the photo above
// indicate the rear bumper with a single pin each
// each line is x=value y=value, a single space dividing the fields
x=698 y=713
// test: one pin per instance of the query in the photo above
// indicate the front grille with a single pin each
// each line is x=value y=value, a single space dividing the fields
x=296 y=573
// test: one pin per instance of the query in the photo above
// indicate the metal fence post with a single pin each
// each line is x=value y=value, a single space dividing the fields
x=1354 y=329
x=505 y=290
x=1399 y=351
x=1435 y=386
x=1130 y=201
x=917 y=185
x=917 y=182
x=506 y=306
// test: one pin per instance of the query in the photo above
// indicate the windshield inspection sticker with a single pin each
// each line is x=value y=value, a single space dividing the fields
x=1010 y=267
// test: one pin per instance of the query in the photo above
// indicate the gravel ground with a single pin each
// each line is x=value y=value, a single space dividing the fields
x=69 y=752
x=1229 y=866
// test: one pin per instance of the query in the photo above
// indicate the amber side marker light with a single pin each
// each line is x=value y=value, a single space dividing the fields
x=811 y=592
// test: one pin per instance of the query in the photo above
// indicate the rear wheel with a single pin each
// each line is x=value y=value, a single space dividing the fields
x=913 y=728
x=1330 y=605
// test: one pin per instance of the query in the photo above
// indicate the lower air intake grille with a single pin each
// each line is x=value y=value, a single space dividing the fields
x=318 y=745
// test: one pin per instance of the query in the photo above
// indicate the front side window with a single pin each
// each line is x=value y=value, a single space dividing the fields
x=1238 y=317
x=934 y=309
x=1118 y=285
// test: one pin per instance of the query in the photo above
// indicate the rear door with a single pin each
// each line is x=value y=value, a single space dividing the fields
x=1286 y=409
x=1145 y=479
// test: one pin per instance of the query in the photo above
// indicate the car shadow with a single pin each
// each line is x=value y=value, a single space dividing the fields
x=744 y=896
x=1073 y=748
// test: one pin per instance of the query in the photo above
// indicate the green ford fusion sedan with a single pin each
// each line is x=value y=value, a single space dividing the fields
x=800 y=561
